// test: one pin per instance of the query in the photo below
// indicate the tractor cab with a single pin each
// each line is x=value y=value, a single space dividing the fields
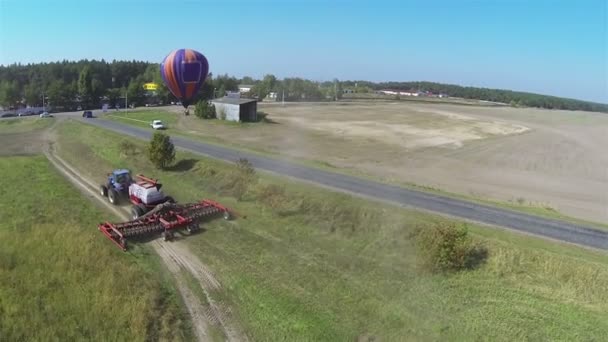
x=120 y=179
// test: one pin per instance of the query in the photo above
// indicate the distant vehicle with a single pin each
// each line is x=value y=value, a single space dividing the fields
x=46 y=115
x=8 y=115
x=79 y=108
x=87 y=114
x=157 y=124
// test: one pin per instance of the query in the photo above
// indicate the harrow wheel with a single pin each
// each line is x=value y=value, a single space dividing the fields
x=226 y=215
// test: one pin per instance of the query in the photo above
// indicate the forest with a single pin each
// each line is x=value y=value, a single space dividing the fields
x=67 y=85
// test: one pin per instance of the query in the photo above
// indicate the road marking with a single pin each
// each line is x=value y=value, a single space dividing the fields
x=122 y=117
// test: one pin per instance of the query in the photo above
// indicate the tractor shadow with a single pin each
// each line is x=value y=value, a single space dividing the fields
x=183 y=165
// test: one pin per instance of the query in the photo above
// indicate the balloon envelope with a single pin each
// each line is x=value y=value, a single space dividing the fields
x=184 y=71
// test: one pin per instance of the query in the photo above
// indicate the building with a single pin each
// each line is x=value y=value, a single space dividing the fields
x=245 y=88
x=234 y=109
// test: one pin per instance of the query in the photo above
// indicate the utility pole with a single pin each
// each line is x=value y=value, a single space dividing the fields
x=126 y=101
x=336 y=90
x=283 y=101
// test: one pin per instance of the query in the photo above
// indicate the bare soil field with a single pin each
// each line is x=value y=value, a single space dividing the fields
x=532 y=156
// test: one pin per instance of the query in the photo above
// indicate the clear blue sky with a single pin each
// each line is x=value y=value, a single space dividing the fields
x=551 y=47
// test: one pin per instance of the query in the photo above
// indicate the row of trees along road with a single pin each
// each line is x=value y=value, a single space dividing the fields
x=88 y=83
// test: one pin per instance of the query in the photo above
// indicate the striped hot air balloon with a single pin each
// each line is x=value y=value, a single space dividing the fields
x=184 y=71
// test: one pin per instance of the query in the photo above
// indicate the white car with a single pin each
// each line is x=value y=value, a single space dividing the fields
x=157 y=124
x=46 y=115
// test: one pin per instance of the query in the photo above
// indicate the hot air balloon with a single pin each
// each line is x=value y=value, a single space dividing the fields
x=184 y=71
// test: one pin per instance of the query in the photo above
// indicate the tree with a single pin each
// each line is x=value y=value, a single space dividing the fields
x=205 y=110
x=113 y=95
x=135 y=91
x=9 y=93
x=225 y=82
x=206 y=91
x=262 y=89
x=59 y=94
x=32 y=95
x=247 y=80
x=161 y=151
x=221 y=91
x=84 y=86
x=97 y=90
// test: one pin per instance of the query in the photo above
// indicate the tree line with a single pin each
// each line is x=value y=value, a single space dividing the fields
x=89 y=83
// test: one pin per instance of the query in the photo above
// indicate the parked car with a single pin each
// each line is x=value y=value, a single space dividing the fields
x=8 y=115
x=46 y=115
x=87 y=114
x=157 y=124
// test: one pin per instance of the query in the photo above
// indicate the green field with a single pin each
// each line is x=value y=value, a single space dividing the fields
x=310 y=264
x=60 y=279
x=24 y=125
x=142 y=119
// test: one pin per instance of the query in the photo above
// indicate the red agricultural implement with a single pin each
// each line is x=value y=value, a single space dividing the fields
x=166 y=218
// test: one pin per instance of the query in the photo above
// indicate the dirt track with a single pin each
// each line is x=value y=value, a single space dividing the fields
x=176 y=257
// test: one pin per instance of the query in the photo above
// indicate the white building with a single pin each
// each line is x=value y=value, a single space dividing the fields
x=245 y=88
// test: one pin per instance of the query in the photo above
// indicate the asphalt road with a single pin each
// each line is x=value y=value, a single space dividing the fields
x=549 y=228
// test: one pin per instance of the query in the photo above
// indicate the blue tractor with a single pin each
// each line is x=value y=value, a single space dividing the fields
x=117 y=186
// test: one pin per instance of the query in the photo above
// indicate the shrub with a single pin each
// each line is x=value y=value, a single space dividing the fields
x=448 y=247
x=272 y=195
x=161 y=151
x=204 y=110
x=243 y=178
x=127 y=148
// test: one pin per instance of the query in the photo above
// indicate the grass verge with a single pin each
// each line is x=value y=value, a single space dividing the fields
x=59 y=279
x=311 y=264
x=22 y=125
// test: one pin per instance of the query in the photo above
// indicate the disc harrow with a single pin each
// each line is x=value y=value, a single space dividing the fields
x=164 y=219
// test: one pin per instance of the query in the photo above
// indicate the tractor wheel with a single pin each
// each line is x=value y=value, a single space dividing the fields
x=103 y=190
x=167 y=236
x=113 y=196
x=136 y=212
x=226 y=215
x=169 y=199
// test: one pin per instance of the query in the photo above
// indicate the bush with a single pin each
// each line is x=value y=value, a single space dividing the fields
x=161 y=150
x=204 y=110
x=272 y=195
x=127 y=148
x=243 y=178
x=448 y=247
